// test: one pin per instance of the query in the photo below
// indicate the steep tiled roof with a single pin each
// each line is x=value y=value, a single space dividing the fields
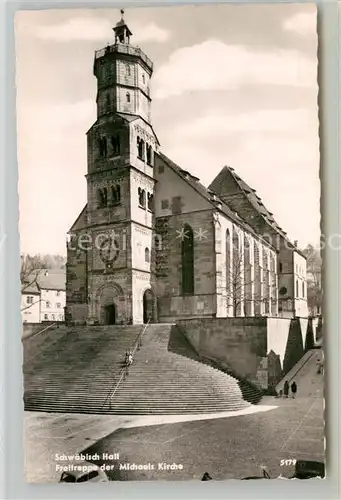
x=208 y=194
x=52 y=279
x=218 y=186
x=44 y=279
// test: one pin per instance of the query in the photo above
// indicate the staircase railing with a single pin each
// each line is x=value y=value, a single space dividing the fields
x=29 y=336
x=295 y=369
x=123 y=372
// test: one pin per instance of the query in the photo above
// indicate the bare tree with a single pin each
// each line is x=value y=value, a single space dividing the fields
x=314 y=272
x=31 y=268
x=246 y=284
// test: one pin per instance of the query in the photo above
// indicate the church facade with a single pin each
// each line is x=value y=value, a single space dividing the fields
x=154 y=244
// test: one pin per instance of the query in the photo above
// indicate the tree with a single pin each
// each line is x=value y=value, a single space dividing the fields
x=30 y=270
x=314 y=274
x=244 y=283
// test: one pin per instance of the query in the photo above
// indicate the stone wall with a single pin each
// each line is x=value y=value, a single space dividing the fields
x=260 y=350
x=76 y=282
x=239 y=343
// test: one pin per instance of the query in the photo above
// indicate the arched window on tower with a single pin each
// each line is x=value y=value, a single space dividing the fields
x=147 y=255
x=187 y=260
x=128 y=70
x=149 y=154
x=115 y=145
x=105 y=197
x=99 y=198
x=102 y=198
x=142 y=198
x=140 y=148
x=128 y=96
x=102 y=144
x=115 y=194
x=150 y=202
x=297 y=289
x=303 y=291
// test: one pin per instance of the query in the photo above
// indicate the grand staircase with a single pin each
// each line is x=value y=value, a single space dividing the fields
x=78 y=371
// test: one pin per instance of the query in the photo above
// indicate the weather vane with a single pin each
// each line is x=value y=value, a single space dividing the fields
x=122 y=12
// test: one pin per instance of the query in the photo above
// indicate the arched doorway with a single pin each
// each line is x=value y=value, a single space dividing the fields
x=111 y=306
x=148 y=306
x=110 y=314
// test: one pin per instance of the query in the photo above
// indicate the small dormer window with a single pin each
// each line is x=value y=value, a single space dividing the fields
x=128 y=97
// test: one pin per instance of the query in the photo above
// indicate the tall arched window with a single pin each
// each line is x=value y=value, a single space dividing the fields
x=228 y=266
x=297 y=289
x=147 y=255
x=128 y=97
x=236 y=276
x=303 y=292
x=187 y=260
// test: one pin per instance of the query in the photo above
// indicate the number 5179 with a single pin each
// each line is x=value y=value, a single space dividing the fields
x=288 y=461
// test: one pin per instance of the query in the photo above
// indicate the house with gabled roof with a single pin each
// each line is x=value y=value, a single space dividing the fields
x=43 y=296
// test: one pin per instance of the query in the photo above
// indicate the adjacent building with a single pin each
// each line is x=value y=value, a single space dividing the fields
x=43 y=297
x=154 y=244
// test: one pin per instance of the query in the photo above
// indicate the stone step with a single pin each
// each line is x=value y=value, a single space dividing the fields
x=81 y=370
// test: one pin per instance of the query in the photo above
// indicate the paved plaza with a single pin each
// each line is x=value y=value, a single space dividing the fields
x=227 y=447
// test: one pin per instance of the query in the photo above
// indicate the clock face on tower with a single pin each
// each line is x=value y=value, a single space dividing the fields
x=109 y=250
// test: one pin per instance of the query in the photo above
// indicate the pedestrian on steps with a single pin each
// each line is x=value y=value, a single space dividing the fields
x=286 y=389
x=293 y=390
x=130 y=359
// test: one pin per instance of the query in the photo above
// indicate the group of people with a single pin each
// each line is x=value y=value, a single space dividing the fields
x=287 y=389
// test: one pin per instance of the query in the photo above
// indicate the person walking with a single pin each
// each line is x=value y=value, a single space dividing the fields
x=293 y=390
x=286 y=389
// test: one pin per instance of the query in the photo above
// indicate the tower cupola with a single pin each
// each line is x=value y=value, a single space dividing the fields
x=122 y=32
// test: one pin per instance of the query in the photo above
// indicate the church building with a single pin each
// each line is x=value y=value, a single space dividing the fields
x=152 y=243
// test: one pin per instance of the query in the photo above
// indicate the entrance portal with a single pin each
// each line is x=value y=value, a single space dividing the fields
x=110 y=314
x=148 y=307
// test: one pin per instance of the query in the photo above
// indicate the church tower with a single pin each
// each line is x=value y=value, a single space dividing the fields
x=120 y=186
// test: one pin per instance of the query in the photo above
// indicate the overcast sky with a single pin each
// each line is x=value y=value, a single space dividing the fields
x=233 y=85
